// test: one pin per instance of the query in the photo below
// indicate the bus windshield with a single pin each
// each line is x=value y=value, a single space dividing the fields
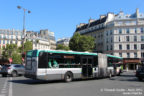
x=32 y=53
x=29 y=54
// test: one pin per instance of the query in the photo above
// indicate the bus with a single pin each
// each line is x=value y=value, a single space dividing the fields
x=68 y=65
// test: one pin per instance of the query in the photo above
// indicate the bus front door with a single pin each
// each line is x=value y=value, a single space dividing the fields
x=87 y=67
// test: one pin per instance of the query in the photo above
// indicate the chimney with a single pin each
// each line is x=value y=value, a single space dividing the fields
x=81 y=24
x=91 y=20
x=102 y=16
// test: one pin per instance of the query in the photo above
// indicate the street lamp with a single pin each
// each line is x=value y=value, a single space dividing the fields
x=24 y=30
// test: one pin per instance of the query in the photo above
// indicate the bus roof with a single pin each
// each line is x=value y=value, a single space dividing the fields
x=108 y=55
x=71 y=52
x=67 y=52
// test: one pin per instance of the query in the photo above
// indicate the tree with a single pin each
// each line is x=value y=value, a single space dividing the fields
x=17 y=59
x=62 y=47
x=9 y=50
x=27 y=46
x=81 y=43
x=74 y=42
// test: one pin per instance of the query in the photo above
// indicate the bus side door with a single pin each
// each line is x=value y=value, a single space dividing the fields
x=87 y=63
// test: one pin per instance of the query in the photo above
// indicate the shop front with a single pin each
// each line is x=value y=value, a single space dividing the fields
x=131 y=63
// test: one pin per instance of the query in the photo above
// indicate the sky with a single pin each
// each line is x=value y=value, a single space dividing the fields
x=60 y=16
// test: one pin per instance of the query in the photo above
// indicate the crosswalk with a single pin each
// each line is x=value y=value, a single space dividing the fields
x=6 y=88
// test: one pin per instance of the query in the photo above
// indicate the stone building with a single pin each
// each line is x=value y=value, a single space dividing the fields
x=64 y=41
x=118 y=34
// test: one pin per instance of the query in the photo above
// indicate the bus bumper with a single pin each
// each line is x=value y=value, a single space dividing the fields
x=30 y=76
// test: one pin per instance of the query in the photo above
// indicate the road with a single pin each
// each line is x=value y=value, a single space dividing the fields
x=124 y=85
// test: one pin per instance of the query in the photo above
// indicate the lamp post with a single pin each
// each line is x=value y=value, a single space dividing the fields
x=24 y=30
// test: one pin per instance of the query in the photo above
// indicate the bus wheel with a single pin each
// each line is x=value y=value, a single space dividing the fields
x=68 y=77
x=139 y=78
x=4 y=75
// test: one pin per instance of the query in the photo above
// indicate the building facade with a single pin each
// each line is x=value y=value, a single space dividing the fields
x=118 y=34
x=46 y=34
x=39 y=39
x=64 y=41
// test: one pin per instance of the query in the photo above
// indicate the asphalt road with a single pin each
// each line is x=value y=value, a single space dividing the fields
x=124 y=85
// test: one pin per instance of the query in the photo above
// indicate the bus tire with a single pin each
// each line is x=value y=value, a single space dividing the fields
x=4 y=75
x=68 y=77
x=139 y=78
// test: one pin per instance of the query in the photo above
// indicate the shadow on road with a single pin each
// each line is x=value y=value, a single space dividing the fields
x=38 y=82
x=35 y=82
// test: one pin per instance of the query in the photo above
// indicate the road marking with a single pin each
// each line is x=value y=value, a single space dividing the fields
x=3 y=90
x=10 y=87
x=7 y=87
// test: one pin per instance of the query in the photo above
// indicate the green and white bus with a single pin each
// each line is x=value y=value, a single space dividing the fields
x=68 y=65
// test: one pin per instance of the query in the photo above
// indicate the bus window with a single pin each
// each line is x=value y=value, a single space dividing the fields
x=84 y=61
x=43 y=62
x=89 y=61
x=110 y=62
x=95 y=64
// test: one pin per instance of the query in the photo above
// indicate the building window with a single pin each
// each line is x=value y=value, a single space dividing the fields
x=111 y=47
x=127 y=31
x=107 y=48
x=111 y=32
x=120 y=47
x=11 y=42
x=142 y=30
x=142 y=55
x=128 y=47
x=11 y=37
x=135 y=30
x=120 y=31
x=4 y=37
x=135 y=46
x=111 y=40
x=142 y=46
x=128 y=55
x=135 y=55
x=142 y=38
x=119 y=39
x=107 y=33
x=107 y=41
x=7 y=41
x=120 y=54
x=135 y=38
x=127 y=38
x=3 y=41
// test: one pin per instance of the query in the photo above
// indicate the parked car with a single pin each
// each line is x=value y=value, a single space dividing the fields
x=13 y=70
x=140 y=73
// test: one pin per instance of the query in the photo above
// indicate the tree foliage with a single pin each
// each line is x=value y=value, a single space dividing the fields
x=17 y=59
x=81 y=43
x=62 y=47
x=11 y=51
x=27 y=46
